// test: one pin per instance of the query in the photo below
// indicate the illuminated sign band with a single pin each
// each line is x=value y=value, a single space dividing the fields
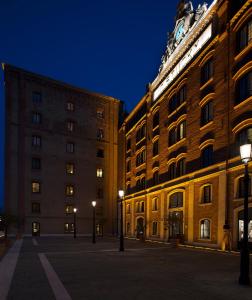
x=201 y=41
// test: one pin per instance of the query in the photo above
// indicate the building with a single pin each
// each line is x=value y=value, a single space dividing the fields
x=60 y=153
x=182 y=172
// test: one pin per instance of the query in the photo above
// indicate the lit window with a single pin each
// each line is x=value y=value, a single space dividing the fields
x=176 y=200
x=36 y=163
x=206 y=195
x=70 y=126
x=35 y=187
x=181 y=131
x=207 y=156
x=100 y=134
x=205 y=229
x=99 y=172
x=36 y=118
x=155 y=149
x=69 y=227
x=70 y=106
x=155 y=203
x=70 y=168
x=154 y=228
x=100 y=153
x=100 y=113
x=70 y=147
x=36 y=97
x=207 y=113
x=207 y=71
x=35 y=207
x=245 y=36
x=69 y=190
x=244 y=88
x=36 y=141
x=69 y=209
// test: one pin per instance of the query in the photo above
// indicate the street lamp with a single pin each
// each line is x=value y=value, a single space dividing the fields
x=245 y=152
x=94 y=205
x=75 y=211
x=121 y=196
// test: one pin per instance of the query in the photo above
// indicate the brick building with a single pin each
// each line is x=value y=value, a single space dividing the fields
x=181 y=167
x=60 y=153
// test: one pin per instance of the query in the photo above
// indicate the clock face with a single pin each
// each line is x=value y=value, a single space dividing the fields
x=179 y=32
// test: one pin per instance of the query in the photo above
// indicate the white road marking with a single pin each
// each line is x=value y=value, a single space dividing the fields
x=34 y=241
x=58 y=288
x=7 y=268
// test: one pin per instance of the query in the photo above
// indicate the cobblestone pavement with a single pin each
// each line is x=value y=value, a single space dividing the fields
x=65 y=269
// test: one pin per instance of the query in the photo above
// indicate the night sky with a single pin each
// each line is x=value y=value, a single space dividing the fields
x=110 y=47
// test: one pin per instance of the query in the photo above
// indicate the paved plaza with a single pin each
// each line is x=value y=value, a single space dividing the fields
x=64 y=269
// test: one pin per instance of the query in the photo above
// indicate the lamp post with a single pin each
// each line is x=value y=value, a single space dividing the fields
x=245 y=152
x=94 y=235
x=75 y=211
x=121 y=196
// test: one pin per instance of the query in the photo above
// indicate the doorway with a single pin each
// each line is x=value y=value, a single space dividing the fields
x=35 y=228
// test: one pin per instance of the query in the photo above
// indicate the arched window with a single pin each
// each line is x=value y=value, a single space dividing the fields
x=172 y=136
x=176 y=200
x=143 y=183
x=207 y=71
x=142 y=206
x=181 y=130
x=154 y=228
x=243 y=88
x=155 y=178
x=172 y=103
x=155 y=148
x=181 y=95
x=181 y=167
x=207 y=156
x=241 y=188
x=206 y=194
x=172 y=171
x=244 y=37
x=155 y=120
x=154 y=203
x=207 y=113
x=205 y=229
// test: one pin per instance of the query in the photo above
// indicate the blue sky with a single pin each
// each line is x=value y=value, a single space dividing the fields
x=111 y=47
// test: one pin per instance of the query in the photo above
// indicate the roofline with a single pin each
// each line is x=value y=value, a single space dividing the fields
x=58 y=82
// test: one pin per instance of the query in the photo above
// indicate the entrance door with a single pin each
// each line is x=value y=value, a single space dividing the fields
x=175 y=222
x=140 y=228
x=241 y=226
x=35 y=228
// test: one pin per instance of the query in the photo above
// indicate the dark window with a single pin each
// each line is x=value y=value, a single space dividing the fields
x=207 y=113
x=36 y=163
x=128 y=188
x=70 y=126
x=241 y=187
x=140 y=159
x=128 y=166
x=207 y=156
x=128 y=144
x=36 y=187
x=155 y=203
x=206 y=196
x=141 y=132
x=244 y=36
x=154 y=228
x=70 y=168
x=100 y=134
x=100 y=153
x=36 y=118
x=36 y=97
x=155 y=149
x=244 y=88
x=99 y=193
x=207 y=71
x=100 y=113
x=155 y=120
x=176 y=200
x=35 y=207
x=70 y=106
x=181 y=130
x=205 y=229
x=142 y=206
x=181 y=167
x=138 y=184
x=172 y=103
x=36 y=141
x=172 y=171
x=181 y=96
x=142 y=183
x=155 y=178
x=172 y=136
x=70 y=147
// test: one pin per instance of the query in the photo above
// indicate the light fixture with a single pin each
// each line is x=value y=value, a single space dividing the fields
x=75 y=210
x=121 y=193
x=245 y=152
x=93 y=203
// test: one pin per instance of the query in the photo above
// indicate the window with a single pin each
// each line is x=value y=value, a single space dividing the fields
x=244 y=137
x=70 y=168
x=207 y=113
x=155 y=177
x=142 y=183
x=172 y=171
x=100 y=134
x=181 y=96
x=35 y=207
x=138 y=207
x=128 y=144
x=205 y=229
x=206 y=194
x=70 y=126
x=140 y=159
x=172 y=103
x=244 y=88
x=176 y=200
x=36 y=141
x=155 y=203
x=154 y=228
x=138 y=184
x=141 y=132
x=36 y=97
x=155 y=149
x=36 y=118
x=207 y=156
x=69 y=190
x=128 y=208
x=69 y=209
x=128 y=186
x=128 y=228
x=69 y=227
x=36 y=187
x=241 y=187
x=128 y=166
x=70 y=147
x=172 y=136
x=181 y=130
x=100 y=153
x=99 y=172
x=99 y=193
x=36 y=163
x=155 y=120
x=141 y=206
x=100 y=113
x=181 y=167
x=244 y=36
x=70 y=106
x=207 y=71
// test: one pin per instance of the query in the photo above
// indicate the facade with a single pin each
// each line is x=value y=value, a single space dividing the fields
x=182 y=172
x=61 y=153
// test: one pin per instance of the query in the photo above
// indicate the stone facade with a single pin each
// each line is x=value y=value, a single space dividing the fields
x=198 y=119
x=64 y=139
